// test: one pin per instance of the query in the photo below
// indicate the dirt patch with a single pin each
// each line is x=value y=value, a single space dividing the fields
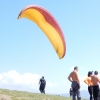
x=4 y=97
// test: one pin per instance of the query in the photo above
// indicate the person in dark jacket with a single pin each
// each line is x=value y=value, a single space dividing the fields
x=42 y=84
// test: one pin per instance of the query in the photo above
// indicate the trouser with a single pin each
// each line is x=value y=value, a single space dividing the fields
x=70 y=94
x=90 y=90
x=96 y=92
x=76 y=91
x=99 y=95
x=42 y=88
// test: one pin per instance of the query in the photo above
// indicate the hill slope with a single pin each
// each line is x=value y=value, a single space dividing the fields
x=22 y=95
x=84 y=94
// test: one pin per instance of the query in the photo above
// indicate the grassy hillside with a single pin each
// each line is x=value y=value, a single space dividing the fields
x=20 y=95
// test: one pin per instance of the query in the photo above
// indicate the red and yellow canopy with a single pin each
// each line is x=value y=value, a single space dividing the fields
x=48 y=25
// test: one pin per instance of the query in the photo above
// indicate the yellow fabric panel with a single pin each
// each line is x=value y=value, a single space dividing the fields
x=54 y=37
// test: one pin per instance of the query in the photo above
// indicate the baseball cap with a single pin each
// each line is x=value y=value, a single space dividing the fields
x=96 y=72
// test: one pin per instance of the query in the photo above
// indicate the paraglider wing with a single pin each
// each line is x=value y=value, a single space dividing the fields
x=48 y=25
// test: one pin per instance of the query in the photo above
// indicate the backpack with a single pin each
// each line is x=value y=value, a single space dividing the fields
x=42 y=81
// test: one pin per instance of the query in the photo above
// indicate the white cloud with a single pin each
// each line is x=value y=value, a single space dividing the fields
x=12 y=77
x=50 y=84
x=27 y=81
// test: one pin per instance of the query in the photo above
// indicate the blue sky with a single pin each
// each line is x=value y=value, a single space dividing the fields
x=24 y=48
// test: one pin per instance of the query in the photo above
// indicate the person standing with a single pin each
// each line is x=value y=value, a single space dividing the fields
x=89 y=83
x=74 y=78
x=42 y=84
x=95 y=80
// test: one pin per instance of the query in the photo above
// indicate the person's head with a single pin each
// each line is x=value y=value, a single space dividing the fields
x=42 y=76
x=90 y=73
x=96 y=73
x=76 y=68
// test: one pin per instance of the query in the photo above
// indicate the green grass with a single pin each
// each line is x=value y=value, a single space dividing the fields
x=22 y=95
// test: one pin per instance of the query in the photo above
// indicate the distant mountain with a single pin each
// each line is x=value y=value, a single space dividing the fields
x=84 y=94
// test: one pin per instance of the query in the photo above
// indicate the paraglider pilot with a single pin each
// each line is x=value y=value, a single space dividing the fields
x=42 y=84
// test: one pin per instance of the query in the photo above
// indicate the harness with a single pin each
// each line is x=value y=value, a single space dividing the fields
x=76 y=87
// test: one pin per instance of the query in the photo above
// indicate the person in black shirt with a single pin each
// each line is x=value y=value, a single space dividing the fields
x=42 y=83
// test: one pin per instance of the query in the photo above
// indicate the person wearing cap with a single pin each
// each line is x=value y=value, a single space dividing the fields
x=42 y=84
x=95 y=81
x=89 y=83
x=74 y=79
